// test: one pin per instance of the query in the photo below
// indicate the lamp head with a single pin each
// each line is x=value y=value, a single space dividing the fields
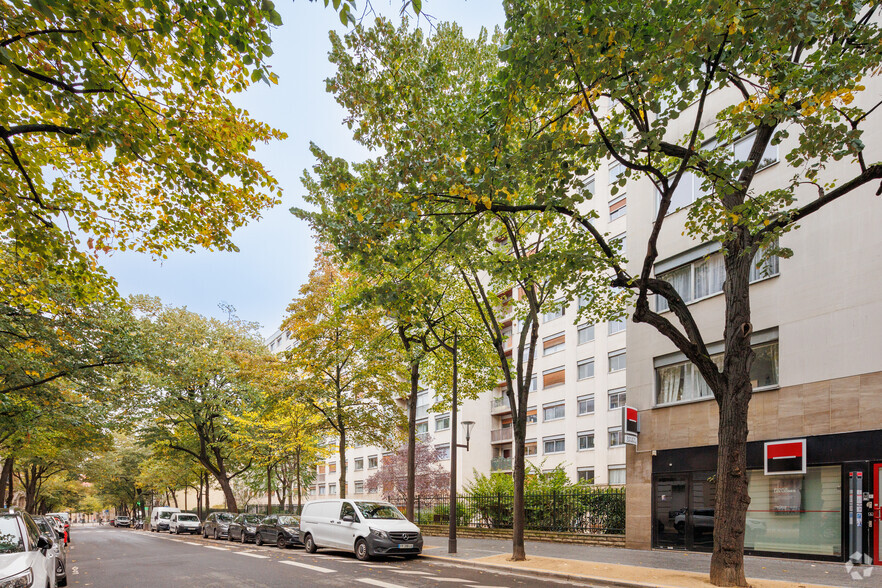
x=467 y=427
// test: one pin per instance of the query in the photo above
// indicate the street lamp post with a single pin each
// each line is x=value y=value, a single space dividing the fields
x=454 y=445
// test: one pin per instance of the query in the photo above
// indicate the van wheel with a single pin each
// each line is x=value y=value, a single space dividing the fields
x=361 y=550
x=258 y=539
x=309 y=544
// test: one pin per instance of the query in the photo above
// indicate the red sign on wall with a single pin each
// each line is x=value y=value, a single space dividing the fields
x=784 y=457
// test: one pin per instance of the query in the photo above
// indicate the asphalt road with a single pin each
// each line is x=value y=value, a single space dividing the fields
x=104 y=557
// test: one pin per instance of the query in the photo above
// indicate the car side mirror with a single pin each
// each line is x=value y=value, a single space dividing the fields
x=349 y=518
x=44 y=543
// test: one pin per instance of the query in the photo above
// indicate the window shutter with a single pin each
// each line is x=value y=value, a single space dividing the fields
x=553 y=378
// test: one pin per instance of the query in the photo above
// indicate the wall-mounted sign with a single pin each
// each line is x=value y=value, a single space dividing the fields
x=630 y=424
x=785 y=457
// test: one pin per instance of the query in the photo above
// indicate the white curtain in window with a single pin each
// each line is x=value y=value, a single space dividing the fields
x=616 y=476
x=671 y=383
x=709 y=276
x=681 y=280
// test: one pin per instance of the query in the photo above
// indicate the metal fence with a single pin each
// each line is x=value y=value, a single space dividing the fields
x=596 y=510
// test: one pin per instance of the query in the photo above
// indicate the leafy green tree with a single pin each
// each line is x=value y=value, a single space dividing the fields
x=117 y=121
x=344 y=363
x=190 y=384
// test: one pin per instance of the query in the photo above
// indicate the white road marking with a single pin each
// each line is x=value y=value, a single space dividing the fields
x=308 y=567
x=75 y=570
x=191 y=543
x=379 y=583
x=454 y=580
x=252 y=554
x=412 y=572
x=217 y=548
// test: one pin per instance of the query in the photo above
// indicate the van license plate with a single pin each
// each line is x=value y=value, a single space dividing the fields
x=405 y=546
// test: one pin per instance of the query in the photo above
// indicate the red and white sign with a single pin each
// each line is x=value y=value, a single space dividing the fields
x=630 y=425
x=784 y=457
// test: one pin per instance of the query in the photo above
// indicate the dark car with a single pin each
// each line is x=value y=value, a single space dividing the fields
x=122 y=521
x=244 y=527
x=59 y=548
x=282 y=529
x=217 y=525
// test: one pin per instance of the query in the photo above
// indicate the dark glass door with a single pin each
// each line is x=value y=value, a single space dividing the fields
x=671 y=510
x=704 y=491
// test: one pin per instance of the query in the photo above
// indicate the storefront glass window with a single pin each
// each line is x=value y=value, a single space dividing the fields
x=796 y=513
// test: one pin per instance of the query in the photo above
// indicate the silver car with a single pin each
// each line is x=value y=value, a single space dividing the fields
x=26 y=558
x=58 y=548
x=184 y=522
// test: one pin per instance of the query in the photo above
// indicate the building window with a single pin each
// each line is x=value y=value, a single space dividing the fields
x=359 y=486
x=530 y=448
x=585 y=475
x=615 y=437
x=681 y=382
x=443 y=451
x=332 y=489
x=618 y=206
x=617 y=475
x=359 y=464
x=332 y=468
x=617 y=360
x=422 y=429
x=534 y=383
x=553 y=377
x=617 y=325
x=616 y=398
x=553 y=445
x=704 y=277
x=585 y=369
x=616 y=170
x=372 y=462
x=442 y=422
x=553 y=344
x=586 y=333
x=553 y=412
x=586 y=440
x=741 y=151
x=531 y=415
x=586 y=404
x=619 y=242
x=559 y=308
x=322 y=490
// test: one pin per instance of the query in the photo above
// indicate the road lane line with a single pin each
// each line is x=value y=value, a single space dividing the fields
x=191 y=543
x=250 y=554
x=308 y=567
x=412 y=572
x=217 y=548
x=379 y=583
x=460 y=580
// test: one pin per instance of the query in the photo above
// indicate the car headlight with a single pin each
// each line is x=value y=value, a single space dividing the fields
x=379 y=533
x=21 y=580
x=251 y=529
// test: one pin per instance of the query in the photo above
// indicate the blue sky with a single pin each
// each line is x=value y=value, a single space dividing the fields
x=276 y=252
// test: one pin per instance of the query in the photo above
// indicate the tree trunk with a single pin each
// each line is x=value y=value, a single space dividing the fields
x=10 y=489
x=207 y=493
x=199 y=498
x=342 y=489
x=732 y=499
x=411 y=437
x=299 y=478
x=269 y=489
x=518 y=551
x=6 y=478
x=229 y=497
x=174 y=497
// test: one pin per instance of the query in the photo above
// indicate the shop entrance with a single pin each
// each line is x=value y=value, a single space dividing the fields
x=684 y=510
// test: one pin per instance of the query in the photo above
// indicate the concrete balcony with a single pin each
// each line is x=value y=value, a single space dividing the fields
x=500 y=464
x=502 y=435
x=499 y=405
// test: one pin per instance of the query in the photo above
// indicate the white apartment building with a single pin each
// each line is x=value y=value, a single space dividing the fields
x=817 y=332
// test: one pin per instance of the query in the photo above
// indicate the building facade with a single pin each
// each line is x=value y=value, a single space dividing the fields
x=817 y=334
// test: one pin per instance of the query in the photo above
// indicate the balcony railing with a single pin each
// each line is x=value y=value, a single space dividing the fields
x=499 y=405
x=500 y=464
x=501 y=435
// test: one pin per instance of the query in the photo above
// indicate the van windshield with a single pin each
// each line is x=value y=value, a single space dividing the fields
x=379 y=510
x=165 y=515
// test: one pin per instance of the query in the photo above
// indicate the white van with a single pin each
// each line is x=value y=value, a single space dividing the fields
x=366 y=527
x=160 y=517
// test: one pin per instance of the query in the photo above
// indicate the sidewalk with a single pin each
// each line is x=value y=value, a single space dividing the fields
x=609 y=566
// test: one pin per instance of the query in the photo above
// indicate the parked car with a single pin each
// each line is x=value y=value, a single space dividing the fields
x=244 y=527
x=138 y=524
x=58 y=548
x=282 y=530
x=26 y=557
x=367 y=528
x=217 y=525
x=184 y=522
x=60 y=527
x=123 y=521
x=160 y=517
